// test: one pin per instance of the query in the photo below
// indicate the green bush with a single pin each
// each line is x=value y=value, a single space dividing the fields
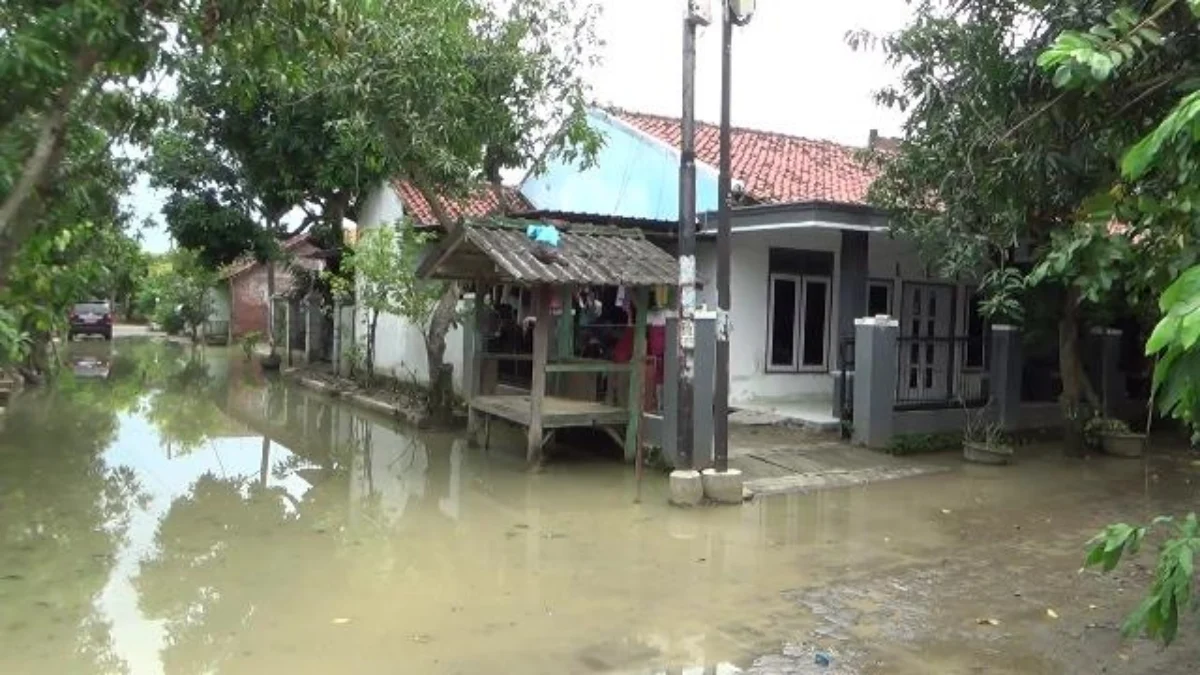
x=917 y=444
x=249 y=342
x=172 y=322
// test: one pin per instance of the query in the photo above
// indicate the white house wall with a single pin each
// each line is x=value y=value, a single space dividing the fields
x=889 y=260
x=399 y=345
x=749 y=379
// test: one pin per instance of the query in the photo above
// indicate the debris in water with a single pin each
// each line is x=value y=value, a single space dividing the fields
x=947 y=511
x=987 y=622
x=420 y=638
x=1092 y=607
x=822 y=659
x=1051 y=613
x=341 y=620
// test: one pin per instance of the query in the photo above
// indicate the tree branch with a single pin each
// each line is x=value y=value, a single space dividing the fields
x=52 y=131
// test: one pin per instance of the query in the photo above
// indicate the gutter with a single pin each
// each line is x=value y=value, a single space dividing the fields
x=832 y=215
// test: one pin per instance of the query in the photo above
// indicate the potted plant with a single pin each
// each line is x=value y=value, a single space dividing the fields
x=1114 y=437
x=983 y=440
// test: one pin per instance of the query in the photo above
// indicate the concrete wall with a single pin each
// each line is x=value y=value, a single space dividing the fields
x=749 y=378
x=248 y=311
x=250 y=301
x=634 y=175
x=889 y=260
x=399 y=345
x=221 y=305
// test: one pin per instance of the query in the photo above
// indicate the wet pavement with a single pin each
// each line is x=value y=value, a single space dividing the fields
x=164 y=514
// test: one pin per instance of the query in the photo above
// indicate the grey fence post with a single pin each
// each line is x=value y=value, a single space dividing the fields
x=336 y=356
x=670 y=393
x=470 y=344
x=875 y=361
x=1110 y=381
x=1004 y=375
x=704 y=390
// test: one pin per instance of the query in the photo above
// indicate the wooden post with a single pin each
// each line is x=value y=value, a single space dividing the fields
x=564 y=341
x=537 y=390
x=287 y=330
x=637 y=373
x=476 y=345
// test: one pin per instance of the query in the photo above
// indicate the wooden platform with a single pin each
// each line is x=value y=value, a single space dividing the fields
x=557 y=413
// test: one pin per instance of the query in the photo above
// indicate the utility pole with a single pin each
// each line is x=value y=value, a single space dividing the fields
x=733 y=12
x=696 y=16
x=724 y=195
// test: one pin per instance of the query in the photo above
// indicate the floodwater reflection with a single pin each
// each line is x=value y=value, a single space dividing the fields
x=186 y=514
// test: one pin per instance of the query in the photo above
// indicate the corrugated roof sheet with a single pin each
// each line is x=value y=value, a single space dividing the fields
x=500 y=251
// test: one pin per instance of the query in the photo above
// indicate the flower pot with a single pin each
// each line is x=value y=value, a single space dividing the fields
x=982 y=453
x=271 y=362
x=1123 y=445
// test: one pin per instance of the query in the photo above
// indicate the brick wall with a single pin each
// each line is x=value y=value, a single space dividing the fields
x=249 y=296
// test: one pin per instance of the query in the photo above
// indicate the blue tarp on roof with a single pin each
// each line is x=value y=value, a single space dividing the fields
x=635 y=176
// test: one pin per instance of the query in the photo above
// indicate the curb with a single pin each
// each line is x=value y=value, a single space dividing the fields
x=411 y=417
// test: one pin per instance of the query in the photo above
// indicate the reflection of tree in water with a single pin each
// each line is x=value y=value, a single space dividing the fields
x=65 y=510
x=216 y=561
x=183 y=410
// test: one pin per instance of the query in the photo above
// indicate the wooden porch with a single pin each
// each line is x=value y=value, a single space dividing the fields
x=497 y=252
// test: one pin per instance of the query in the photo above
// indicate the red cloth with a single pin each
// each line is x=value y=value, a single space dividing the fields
x=656 y=347
x=623 y=350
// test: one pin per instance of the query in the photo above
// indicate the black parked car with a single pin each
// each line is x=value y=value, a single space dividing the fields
x=91 y=318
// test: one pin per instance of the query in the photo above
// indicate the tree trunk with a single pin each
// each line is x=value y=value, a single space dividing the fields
x=1078 y=399
x=51 y=136
x=271 y=309
x=440 y=406
x=371 y=345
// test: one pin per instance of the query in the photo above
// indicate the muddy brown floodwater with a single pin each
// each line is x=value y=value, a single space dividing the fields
x=161 y=514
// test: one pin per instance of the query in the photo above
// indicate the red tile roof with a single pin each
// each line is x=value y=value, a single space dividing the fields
x=242 y=265
x=480 y=202
x=773 y=167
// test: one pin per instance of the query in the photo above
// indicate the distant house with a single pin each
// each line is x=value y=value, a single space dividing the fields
x=399 y=346
x=810 y=255
x=240 y=298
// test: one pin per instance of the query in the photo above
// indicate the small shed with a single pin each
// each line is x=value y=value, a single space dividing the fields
x=496 y=252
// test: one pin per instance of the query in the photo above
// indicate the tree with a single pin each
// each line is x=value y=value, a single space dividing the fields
x=180 y=285
x=314 y=104
x=995 y=158
x=381 y=275
x=1153 y=202
x=82 y=65
x=56 y=269
x=503 y=89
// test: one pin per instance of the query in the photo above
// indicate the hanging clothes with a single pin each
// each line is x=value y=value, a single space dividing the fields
x=661 y=294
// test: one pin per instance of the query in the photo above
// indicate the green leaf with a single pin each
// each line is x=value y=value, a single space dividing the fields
x=1062 y=77
x=1194 y=5
x=1164 y=333
x=1189 y=331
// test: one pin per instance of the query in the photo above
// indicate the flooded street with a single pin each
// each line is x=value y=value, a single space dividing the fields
x=160 y=514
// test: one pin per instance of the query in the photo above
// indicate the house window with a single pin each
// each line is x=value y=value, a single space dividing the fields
x=798 y=323
x=977 y=330
x=879 y=298
x=785 y=295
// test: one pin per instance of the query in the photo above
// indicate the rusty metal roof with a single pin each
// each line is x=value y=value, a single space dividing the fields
x=498 y=250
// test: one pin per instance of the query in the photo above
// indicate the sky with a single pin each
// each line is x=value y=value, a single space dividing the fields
x=792 y=73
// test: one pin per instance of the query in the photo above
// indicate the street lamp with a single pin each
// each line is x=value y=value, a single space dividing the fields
x=735 y=12
x=742 y=10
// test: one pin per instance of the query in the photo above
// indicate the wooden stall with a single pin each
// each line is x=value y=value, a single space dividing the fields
x=496 y=252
